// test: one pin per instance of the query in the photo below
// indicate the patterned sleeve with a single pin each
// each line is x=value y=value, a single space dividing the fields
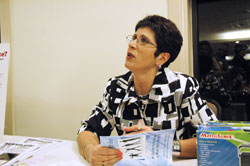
x=194 y=110
x=100 y=121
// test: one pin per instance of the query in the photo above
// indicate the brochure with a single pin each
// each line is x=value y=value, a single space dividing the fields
x=145 y=149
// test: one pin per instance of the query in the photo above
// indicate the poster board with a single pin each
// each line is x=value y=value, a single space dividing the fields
x=4 y=66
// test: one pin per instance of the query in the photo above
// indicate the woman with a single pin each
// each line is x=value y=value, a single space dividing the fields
x=149 y=97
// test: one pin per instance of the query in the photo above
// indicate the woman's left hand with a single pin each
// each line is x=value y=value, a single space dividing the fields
x=136 y=129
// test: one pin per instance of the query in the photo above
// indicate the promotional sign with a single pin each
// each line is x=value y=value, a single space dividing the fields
x=4 y=65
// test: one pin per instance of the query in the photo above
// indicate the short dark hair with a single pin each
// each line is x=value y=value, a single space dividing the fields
x=167 y=35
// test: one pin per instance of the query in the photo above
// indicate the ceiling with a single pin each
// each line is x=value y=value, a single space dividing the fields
x=219 y=16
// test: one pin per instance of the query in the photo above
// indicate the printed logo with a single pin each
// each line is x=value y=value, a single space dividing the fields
x=216 y=136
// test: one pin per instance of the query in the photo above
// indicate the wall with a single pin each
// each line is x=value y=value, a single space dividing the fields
x=63 y=53
x=180 y=11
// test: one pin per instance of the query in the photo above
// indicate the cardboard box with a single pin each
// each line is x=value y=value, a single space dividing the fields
x=224 y=143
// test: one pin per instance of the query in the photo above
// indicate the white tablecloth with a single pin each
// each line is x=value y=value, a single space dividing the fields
x=67 y=155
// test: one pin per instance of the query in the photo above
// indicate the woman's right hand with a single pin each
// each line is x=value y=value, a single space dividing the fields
x=103 y=156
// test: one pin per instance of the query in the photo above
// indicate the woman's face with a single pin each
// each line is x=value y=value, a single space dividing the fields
x=140 y=58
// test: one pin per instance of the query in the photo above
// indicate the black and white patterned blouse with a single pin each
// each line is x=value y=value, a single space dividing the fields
x=173 y=103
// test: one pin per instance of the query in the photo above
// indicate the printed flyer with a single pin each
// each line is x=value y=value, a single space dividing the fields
x=145 y=149
x=4 y=65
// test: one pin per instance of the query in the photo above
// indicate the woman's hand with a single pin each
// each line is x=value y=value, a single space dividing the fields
x=139 y=128
x=103 y=156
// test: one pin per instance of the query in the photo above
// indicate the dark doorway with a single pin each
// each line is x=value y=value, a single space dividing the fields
x=222 y=54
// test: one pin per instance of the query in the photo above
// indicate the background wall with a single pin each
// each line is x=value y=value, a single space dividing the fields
x=180 y=12
x=63 y=53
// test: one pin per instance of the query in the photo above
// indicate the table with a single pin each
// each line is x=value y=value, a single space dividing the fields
x=67 y=154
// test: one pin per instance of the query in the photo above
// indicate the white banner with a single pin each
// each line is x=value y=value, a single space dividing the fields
x=4 y=66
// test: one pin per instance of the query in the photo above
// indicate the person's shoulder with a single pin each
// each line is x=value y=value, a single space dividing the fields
x=183 y=76
x=189 y=84
x=117 y=86
x=175 y=75
x=120 y=81
x=187 y=79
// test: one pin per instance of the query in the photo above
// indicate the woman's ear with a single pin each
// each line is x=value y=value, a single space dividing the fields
x=162 y=58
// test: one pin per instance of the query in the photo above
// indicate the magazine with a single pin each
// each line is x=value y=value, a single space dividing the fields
x=26 y=151
x=11 y=152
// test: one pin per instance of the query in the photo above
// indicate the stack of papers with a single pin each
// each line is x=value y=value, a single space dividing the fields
x=25 y=152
